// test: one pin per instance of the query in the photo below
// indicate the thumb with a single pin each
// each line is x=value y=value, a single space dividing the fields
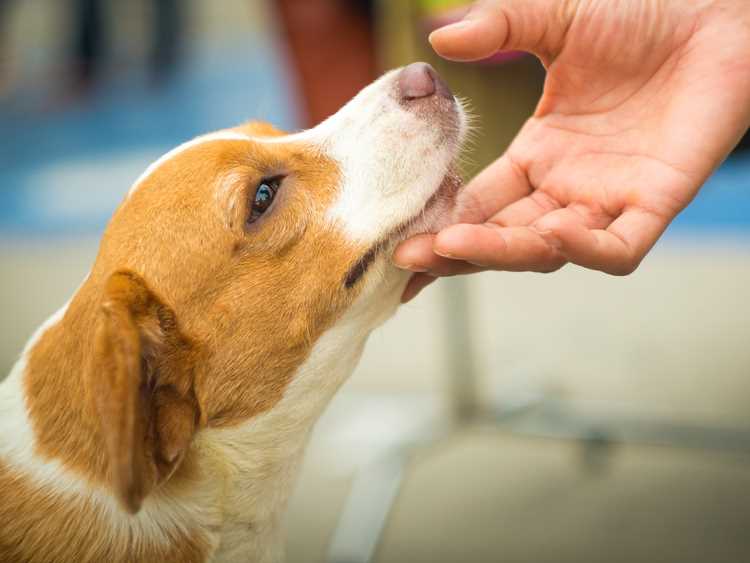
x=536 y=26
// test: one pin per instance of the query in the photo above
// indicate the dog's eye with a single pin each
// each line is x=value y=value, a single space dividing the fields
x=263 y=198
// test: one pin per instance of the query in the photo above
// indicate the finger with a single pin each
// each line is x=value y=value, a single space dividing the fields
x=495 y=187
x=517 y=249
x=482 y=33
x=498 y=25
x=416 y=284
x=416 y=255
x=617 y=250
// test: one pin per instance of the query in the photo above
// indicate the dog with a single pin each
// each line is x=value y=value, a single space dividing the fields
x=161 y=415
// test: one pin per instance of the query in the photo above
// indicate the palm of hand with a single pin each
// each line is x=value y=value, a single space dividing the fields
x=642 y=101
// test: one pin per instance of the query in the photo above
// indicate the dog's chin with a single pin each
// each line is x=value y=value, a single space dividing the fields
x=439 y=210
x=437 y=213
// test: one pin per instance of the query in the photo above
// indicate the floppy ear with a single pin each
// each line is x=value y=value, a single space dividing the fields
x=141 y=379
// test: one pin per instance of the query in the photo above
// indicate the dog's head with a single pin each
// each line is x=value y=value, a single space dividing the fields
x=234 y=253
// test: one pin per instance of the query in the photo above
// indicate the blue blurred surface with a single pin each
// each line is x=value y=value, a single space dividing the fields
x=724 y=202
x=63 y=173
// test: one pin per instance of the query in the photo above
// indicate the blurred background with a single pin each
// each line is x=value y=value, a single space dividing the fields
x=506 y=417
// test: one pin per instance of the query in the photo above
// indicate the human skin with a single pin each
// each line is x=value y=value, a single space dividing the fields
x=643 y=100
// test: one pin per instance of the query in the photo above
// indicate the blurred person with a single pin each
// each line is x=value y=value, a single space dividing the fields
x=90 y=45
x=168 y=33
x=332 y=50
x=642 y=102
x=88 y=42
x=5 y=70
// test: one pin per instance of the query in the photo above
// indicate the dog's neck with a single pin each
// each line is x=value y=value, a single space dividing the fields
x=225 y=503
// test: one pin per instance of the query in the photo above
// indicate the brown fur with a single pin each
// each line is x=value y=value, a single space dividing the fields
x=141 y=379
x=38 y=527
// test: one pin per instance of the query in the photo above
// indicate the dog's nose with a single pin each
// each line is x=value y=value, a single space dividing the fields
x=420 y=80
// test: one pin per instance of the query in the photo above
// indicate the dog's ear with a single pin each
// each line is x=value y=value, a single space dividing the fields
x=141 y=379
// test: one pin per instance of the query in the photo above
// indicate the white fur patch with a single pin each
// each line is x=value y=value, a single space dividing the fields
x=392 y=159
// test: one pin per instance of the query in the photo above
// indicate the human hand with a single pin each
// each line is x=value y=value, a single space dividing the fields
x=642 y=102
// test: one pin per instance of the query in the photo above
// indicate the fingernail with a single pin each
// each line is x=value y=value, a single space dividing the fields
x=456 y=26
x=443 y=253
x=412 y=268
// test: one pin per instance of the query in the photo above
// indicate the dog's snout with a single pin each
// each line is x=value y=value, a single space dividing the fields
x=420 y=80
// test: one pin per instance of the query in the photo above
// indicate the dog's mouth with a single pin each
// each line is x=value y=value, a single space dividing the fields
x=435 y=215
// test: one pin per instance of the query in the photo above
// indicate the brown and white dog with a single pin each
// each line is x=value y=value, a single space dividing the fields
x=161 y=415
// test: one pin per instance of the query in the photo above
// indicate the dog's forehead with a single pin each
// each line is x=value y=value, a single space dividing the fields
x=253 y=132
x=211 y=138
